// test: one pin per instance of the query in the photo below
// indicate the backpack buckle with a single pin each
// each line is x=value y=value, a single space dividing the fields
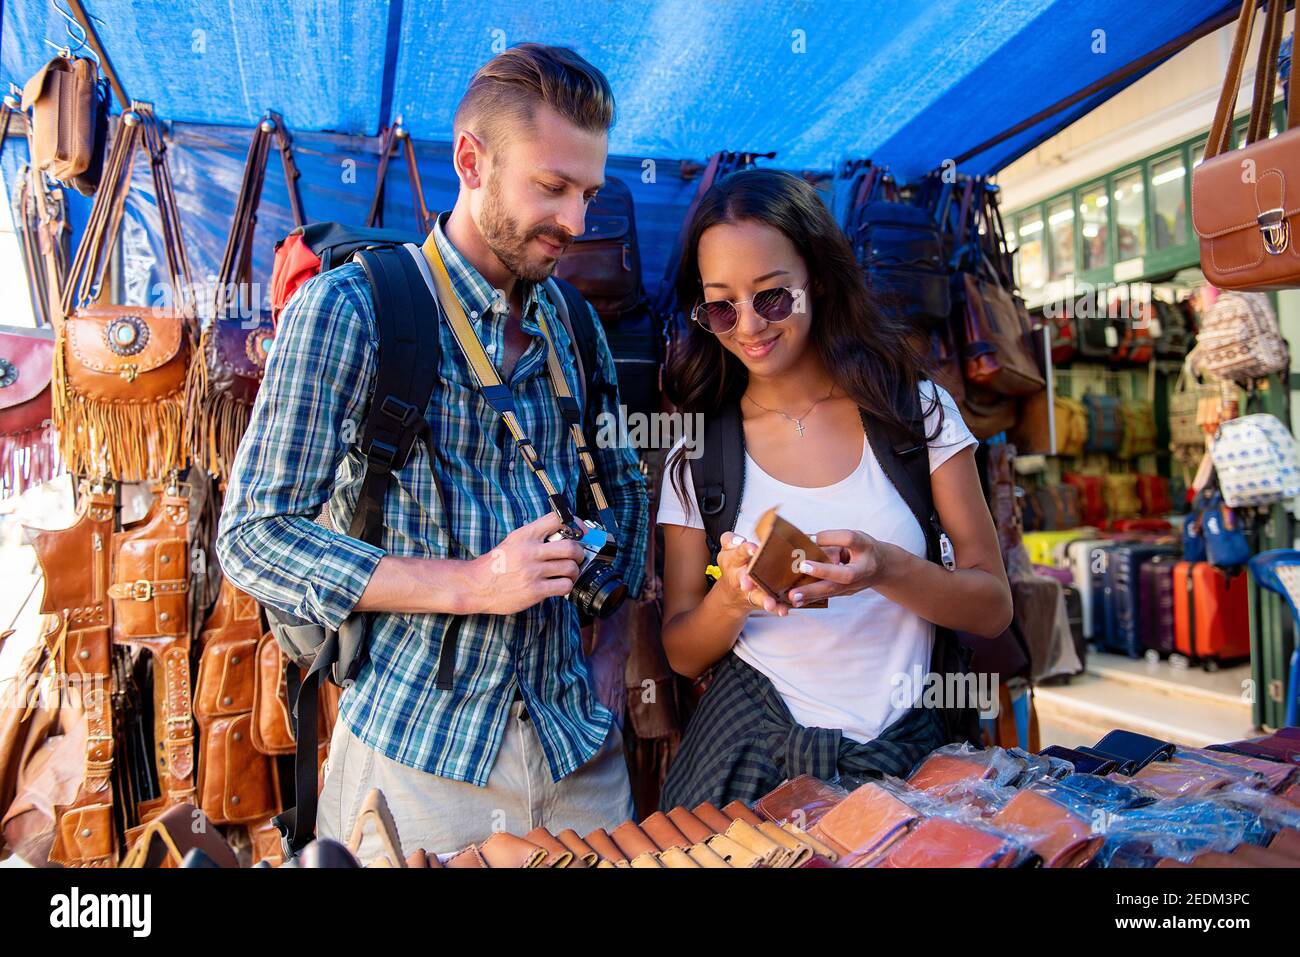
x=715 y=499
x=403 y=412
x=381 y=455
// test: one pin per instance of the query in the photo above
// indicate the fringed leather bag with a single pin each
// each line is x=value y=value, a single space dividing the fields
x=119 y=371
x=223 y=381
x=27 y=452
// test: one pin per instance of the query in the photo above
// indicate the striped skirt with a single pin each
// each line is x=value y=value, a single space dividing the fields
x=742 y=742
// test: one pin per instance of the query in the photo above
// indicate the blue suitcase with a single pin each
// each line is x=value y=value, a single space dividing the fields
x=1123 y=633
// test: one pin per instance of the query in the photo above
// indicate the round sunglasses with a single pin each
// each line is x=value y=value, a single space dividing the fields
x=721 y=315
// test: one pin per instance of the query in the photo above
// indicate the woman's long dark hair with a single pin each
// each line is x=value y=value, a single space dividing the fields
x=868 y=352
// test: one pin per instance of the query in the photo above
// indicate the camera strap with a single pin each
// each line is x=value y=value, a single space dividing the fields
x=502 y=400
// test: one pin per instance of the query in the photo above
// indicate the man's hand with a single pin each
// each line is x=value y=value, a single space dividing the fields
x=524 y=569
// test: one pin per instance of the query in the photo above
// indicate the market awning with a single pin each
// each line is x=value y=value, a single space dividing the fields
x=909 y=83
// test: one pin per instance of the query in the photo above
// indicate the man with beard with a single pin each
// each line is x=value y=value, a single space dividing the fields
x=520 y=739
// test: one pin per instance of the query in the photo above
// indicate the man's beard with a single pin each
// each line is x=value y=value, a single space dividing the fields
x=501 y=232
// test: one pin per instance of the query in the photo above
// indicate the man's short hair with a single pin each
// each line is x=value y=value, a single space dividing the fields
x=504 y=94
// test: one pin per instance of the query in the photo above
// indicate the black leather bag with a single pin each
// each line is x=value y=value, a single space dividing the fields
x=901 y=251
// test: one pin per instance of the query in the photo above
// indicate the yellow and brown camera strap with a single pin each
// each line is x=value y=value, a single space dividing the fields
x=501 y=399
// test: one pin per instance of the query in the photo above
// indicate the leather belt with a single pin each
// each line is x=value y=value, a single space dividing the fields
x=143 y=589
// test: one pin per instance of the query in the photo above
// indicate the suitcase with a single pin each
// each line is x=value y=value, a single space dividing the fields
x=1158 y=604
x=1079 y=554
x=1123 y=596
x=1098 y=562
x=1074 y=614
x=1211 y=614
x=1041 y=545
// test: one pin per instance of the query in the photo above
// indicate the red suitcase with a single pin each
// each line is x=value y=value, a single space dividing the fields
x=1211 y=614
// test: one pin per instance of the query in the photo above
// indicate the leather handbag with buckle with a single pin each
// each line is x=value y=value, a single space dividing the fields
x=27 y=451
x=75 y=563
x=223 y=380
x=1245 y=202
x=150 y=595
x=119 y=371
x=237 y=784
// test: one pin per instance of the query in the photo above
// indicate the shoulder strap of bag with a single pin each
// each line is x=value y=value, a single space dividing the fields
x=572 y=309
x=718 y=475
x=405 y=375
x=397 y=133
x=1261 y=104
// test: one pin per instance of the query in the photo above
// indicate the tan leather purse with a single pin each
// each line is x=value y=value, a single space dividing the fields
x=27 y=452
x=1245 y=202
x=223 y=378
x=63 y=99
x=236 y=784
x=119 y=371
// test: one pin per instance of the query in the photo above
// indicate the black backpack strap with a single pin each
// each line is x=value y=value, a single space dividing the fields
x=719 y=474
x=405 y=375
x=903 y=454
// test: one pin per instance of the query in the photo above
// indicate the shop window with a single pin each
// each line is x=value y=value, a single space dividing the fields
x=1060 y=229
x=1094 y=226
x=1169 y=184
x=1031 y=258
x=1198 y=154
x=1129 y=198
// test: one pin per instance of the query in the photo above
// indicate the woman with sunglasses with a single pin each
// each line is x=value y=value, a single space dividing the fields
x=784 y=325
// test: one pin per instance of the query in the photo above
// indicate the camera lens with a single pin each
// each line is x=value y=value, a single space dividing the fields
x=598 y=590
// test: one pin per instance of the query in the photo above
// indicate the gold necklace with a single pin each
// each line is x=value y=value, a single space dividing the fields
x=798 y=420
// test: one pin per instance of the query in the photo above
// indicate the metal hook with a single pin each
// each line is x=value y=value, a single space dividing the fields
x=81 y=36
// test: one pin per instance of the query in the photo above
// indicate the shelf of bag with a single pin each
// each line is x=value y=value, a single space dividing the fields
x=1188 y=706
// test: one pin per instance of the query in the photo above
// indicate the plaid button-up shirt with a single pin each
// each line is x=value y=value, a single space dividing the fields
x=298 y=456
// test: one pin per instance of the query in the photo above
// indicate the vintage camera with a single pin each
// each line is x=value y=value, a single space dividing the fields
x=598 y=591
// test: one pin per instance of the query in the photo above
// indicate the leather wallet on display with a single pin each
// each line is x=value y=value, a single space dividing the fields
x=781 y=547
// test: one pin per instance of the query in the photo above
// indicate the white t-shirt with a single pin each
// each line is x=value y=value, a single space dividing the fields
x=835 y=667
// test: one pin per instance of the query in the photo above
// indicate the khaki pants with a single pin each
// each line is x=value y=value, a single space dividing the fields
x=441 y=815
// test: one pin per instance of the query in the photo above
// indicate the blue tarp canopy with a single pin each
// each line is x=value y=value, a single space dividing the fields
x=908 y=83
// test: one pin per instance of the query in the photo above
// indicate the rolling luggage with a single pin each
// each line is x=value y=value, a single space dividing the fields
x=1079 y=554
x=1123 y=596
x=1074 y=615
x=1158 y=604
x=1211 y=614
x=1041 y=545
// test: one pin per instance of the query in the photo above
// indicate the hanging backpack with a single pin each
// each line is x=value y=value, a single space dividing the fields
x=1139 y=428
x=1240 y=339
x=900 y=250
x=1226 y=545
x=1105 y=424
x=1255 y=459
x=718 y=480
x=406 y=368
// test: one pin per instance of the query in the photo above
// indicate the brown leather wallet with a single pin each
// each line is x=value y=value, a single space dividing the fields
x=582 y=851
x=1287 y=841
x=557 y=855
x=940 y=772
x=633 y=841
x=739 y=811
x=1054 y=832
x=864 y=824
x=942 y=842
x=600 y=842
x=781 y=547
x=691 y=826
x=660 y=829
x=711 y=817
x=503 y=849
x=803 y=800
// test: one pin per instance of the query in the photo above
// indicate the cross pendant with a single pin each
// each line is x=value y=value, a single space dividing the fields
x=798 y=424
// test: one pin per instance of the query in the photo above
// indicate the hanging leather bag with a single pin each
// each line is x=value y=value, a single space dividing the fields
x=1245 y=202
x=27 y=452
x=119 y=371
x=222 y=382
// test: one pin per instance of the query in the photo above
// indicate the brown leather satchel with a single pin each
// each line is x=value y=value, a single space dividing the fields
x=1245 y=202
x=236 y=783
x=119 y=371
x=151 y=610
x=66 y=101
x=27 y=451
x=70 y=783
x=233 y=348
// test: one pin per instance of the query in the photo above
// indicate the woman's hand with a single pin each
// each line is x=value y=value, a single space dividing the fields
x=741 y=591
x=857 y=561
